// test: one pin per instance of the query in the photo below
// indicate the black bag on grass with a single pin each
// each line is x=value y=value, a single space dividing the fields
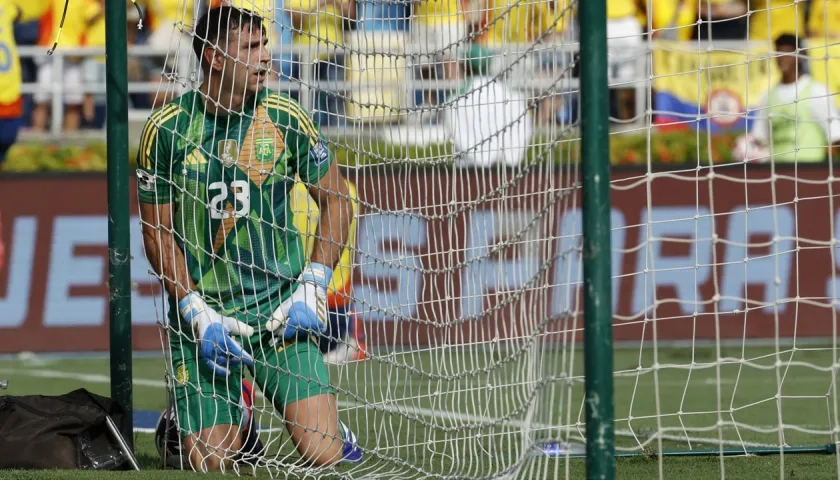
x=68 y=431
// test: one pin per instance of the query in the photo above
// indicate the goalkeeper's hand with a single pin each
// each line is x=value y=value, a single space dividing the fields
x=305 y=312
x=213 y=334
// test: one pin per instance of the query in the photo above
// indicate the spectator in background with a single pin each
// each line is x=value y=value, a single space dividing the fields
x=379 y=64
x=11 y=101
x=512 y=28
x=722 y=20
x=319 y=25
x=437 y=30
x=93 y=68
x=563 y=108
x=517 y=24
x=488 y=122
x=167 y=21
x=382 y=16
x=564 y=18
x=26 y=34
x=771 y=18
x=139 y=67
x=824 y=19
x=624 y=42
x=558 y=107
x=797 y=119
x=75 y=25
x=672 y=19
x=283 y=45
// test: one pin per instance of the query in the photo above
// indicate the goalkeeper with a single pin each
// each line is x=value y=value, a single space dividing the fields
x=216 y=167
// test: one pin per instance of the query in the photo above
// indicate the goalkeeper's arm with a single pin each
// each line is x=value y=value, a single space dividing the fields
x=212 y=330
x=332 y=195
x=163 y=252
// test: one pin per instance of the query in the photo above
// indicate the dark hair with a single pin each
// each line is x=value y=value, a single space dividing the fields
x=787 y=40
x=217 y=22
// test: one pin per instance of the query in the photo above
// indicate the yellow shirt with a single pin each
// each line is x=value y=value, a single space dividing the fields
x=621 y=8
x=665 y=16
x=518 y=22
x=31 y=9
x=306 y=216
x=95 y=35
x=784 y=17
x=10 y=75
x=322 y=30
x=169 y=11
x=74 y=25
x=825 y=18
x=564 y=14
x=437 y=12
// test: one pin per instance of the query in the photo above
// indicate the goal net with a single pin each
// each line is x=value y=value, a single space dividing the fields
x=724 y=235
x=456 y=316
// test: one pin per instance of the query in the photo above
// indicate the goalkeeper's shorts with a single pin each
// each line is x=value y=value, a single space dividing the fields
x=285 y=373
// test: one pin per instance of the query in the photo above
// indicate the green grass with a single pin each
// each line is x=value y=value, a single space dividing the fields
x=806 y=467
x=427 y=413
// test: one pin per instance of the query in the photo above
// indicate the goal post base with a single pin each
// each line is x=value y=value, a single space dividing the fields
x=738 y=452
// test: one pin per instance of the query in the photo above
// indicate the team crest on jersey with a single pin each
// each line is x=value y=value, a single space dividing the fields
x=228 y=152
x=265 y=149
x=182 y=375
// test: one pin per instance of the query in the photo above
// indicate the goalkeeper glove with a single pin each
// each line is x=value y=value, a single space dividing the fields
x=213 y=334
x=305 y=312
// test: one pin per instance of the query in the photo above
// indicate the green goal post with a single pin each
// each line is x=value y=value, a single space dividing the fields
x=119 y=256
x=597 y=284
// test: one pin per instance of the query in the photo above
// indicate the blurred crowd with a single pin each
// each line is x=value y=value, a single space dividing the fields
x=443 y=34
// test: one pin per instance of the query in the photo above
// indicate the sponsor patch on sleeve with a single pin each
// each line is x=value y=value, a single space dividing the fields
x=145 y=181
x=320 y=153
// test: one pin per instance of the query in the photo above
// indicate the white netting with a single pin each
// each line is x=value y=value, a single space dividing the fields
x=723 y=237
x=455 y=123
x=444 y=119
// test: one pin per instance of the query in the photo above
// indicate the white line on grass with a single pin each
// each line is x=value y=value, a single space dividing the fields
x=84 y=377
x=418 y=411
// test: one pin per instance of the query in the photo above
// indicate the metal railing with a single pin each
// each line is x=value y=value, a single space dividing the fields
x=304 y=85
x=519 y=61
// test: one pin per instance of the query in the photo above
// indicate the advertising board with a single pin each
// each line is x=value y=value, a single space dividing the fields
x=443 y=250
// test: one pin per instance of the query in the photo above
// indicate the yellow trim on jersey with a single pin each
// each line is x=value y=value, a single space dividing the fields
x=196 y=158
x=150 y=132
x=297 y=112
x=153 y=122
x=291 y=107
x=288 y=102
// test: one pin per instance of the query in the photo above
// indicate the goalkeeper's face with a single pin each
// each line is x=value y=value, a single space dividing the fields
x=247 y=62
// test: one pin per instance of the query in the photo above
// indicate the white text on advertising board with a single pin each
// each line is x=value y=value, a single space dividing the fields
x=393 y=285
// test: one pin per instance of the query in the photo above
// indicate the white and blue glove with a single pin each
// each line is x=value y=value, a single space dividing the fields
x=305 y=312
x=213 y=334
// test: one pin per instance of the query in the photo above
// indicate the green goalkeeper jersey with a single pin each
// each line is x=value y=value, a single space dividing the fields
x=228 y=179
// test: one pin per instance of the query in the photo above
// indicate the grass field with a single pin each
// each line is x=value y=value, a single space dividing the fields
x=420 y=418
